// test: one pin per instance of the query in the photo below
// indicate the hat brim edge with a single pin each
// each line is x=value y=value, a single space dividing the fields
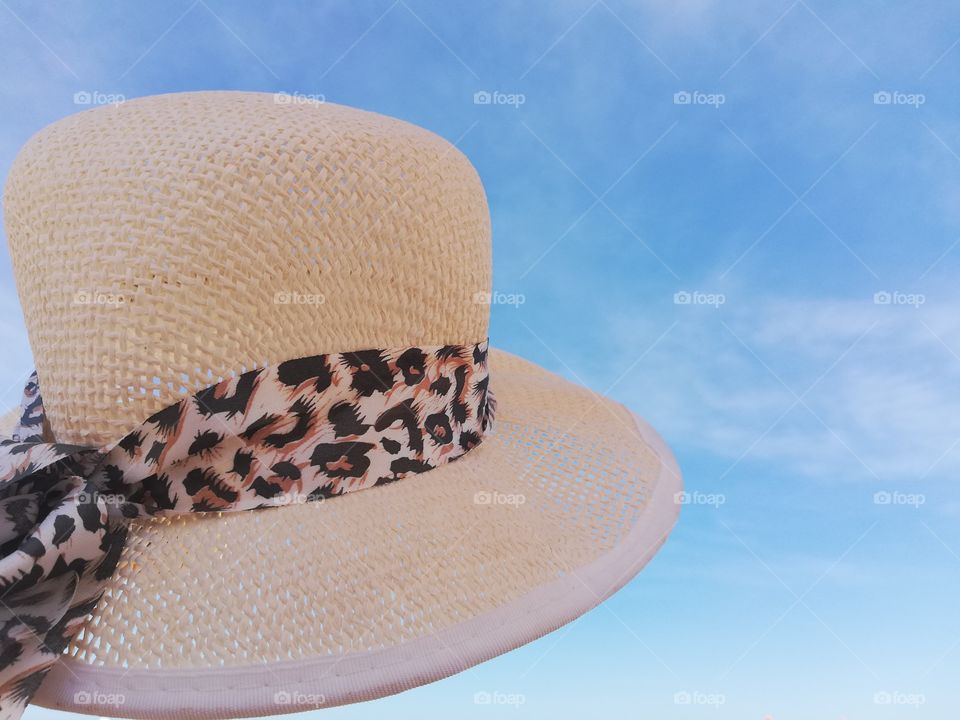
x=296 y=686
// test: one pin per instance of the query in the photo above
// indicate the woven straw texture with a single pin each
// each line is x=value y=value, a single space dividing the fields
x=169 y=241
x=563 y=477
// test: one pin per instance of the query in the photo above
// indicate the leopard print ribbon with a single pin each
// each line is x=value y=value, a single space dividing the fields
x=303 y=430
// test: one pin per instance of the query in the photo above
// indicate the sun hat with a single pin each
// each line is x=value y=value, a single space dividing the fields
x=276 y=305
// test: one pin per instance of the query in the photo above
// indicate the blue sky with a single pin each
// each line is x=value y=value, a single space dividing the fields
x=814 y=227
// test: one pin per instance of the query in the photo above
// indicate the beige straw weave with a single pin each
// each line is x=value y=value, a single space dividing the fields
x=154 y=244
x=373 y=569
x=150 y=242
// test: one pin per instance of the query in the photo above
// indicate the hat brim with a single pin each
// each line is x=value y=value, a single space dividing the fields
x=375 y=592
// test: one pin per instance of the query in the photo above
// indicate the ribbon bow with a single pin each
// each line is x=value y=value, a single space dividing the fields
x=58 y=543
x=304 y=430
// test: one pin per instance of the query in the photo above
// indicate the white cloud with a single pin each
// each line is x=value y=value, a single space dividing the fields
x=885 y=406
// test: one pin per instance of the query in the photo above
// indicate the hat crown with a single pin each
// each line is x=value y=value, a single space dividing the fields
x=167 y=242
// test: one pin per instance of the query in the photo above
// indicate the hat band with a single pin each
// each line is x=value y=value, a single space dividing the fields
x=303 y=430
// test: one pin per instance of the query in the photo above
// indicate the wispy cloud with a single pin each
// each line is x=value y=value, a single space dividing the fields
x=830 y=389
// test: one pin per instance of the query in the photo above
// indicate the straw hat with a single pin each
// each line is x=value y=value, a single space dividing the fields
x=173 y=242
